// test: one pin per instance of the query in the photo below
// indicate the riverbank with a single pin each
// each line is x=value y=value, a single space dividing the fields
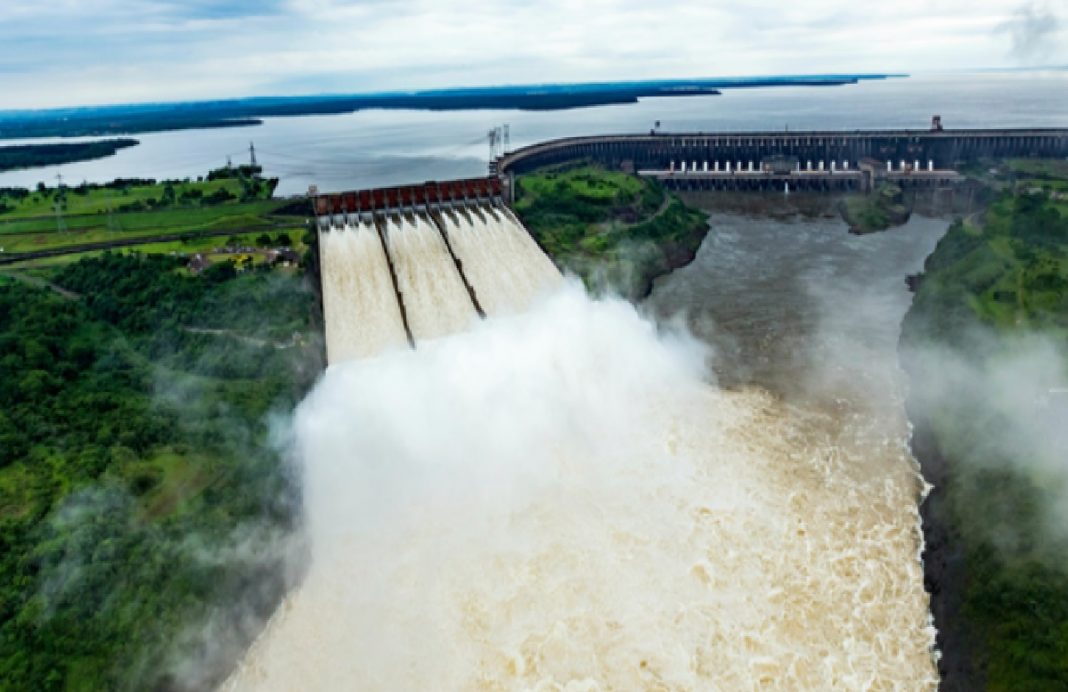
x=983 y=347
x=618 y=232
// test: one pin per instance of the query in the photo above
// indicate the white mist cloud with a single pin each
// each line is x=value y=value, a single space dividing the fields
x=558 y=500
x=1016 y=389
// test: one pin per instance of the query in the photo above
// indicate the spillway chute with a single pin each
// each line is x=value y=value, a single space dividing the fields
x=444 y=255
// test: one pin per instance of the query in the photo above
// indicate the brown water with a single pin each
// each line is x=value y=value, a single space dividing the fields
x=559 y=500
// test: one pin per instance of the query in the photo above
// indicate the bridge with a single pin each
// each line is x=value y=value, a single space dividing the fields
x=818 y=160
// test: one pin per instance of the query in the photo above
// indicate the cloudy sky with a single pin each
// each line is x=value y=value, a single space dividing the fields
x=72 y=52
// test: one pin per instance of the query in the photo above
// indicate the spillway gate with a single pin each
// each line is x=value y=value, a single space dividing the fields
x=408 y=264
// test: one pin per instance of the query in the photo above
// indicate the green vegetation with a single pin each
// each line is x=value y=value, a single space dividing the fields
x=230 y=201
x=875 y=212
x=140 y=491
x=32 y=155
x=615 y=230
x=988 y=284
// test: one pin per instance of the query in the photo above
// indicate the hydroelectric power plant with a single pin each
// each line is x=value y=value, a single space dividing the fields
x=552 y=492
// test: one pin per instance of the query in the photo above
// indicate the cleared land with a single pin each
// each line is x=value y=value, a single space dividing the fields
x=50 y=220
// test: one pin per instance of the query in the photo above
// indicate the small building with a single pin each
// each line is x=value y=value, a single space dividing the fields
x=198 y=263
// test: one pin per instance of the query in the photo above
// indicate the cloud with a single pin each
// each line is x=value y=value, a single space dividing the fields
x=108 y=51
x=1033 y=29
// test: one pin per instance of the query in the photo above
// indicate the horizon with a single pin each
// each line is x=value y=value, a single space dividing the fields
x=739 y=82
x=162 y=51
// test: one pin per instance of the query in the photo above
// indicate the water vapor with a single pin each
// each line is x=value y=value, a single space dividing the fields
x=559 y=500
x=1011 y=396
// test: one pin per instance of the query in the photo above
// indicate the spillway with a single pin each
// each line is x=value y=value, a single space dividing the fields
x=435 y=299
x=359 y=305
x=412 y=264
x=506 y=269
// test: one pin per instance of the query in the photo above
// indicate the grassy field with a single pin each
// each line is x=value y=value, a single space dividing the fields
x=205 y=245
x=125 y=210
x=615 y=230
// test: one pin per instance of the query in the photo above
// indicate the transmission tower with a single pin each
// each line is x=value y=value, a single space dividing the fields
x=252 y=153
x=113 y=223
x=61 y=224
x=492 y=136
x=507 y=137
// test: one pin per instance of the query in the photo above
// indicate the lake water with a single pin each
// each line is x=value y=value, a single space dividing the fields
x=375 y=148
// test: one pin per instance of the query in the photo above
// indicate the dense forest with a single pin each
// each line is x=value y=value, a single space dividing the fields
x=33 y=155
x=145 y=504
x=984 y=345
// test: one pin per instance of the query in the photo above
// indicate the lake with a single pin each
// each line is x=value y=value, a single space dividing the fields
x=375 y=147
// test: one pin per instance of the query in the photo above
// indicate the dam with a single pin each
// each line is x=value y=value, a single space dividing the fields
x=404 y=265
x=810 y=160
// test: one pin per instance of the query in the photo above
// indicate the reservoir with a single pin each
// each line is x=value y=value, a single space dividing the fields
x=376 y=148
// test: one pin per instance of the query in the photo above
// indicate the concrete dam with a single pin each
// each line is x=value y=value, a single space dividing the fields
x=407 y=264
x=812 y=160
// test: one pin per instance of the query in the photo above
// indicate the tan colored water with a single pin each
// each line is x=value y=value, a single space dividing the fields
x=559 y=501
x=359 y=304
x=497 y=262
x=435 y=300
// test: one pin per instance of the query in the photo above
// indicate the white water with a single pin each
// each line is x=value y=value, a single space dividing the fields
x=559 y=501
x=435 y=299
x=498 y=262
x=359 y=303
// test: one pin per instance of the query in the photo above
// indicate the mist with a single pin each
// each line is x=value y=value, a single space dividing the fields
x=1004 y=401
x=561 y=499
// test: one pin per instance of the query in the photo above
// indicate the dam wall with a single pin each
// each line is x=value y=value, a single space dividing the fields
x=404 y=265
x=819 y=160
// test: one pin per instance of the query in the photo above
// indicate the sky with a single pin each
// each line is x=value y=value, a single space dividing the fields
x=87 y=52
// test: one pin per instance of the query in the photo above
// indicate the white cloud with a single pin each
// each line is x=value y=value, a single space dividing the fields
x=108 y=51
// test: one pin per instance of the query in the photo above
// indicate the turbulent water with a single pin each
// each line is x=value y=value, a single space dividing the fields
x=503 y=264
x=435 y=300
x=361 y=313
x=560 y=499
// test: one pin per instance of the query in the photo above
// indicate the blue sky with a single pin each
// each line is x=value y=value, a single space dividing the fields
x=75 y=52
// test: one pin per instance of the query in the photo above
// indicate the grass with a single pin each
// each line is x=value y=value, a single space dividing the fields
x=112 y=214
x=875 y=212
x=616 y=231
x=99 y=200
x=39 y=234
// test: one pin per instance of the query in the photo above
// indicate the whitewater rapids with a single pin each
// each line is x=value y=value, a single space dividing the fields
x=560 y=500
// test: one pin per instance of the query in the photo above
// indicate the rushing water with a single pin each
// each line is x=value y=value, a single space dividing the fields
x=362 y=307
x=374 y=148
x=359 y=308
x=559 y=500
